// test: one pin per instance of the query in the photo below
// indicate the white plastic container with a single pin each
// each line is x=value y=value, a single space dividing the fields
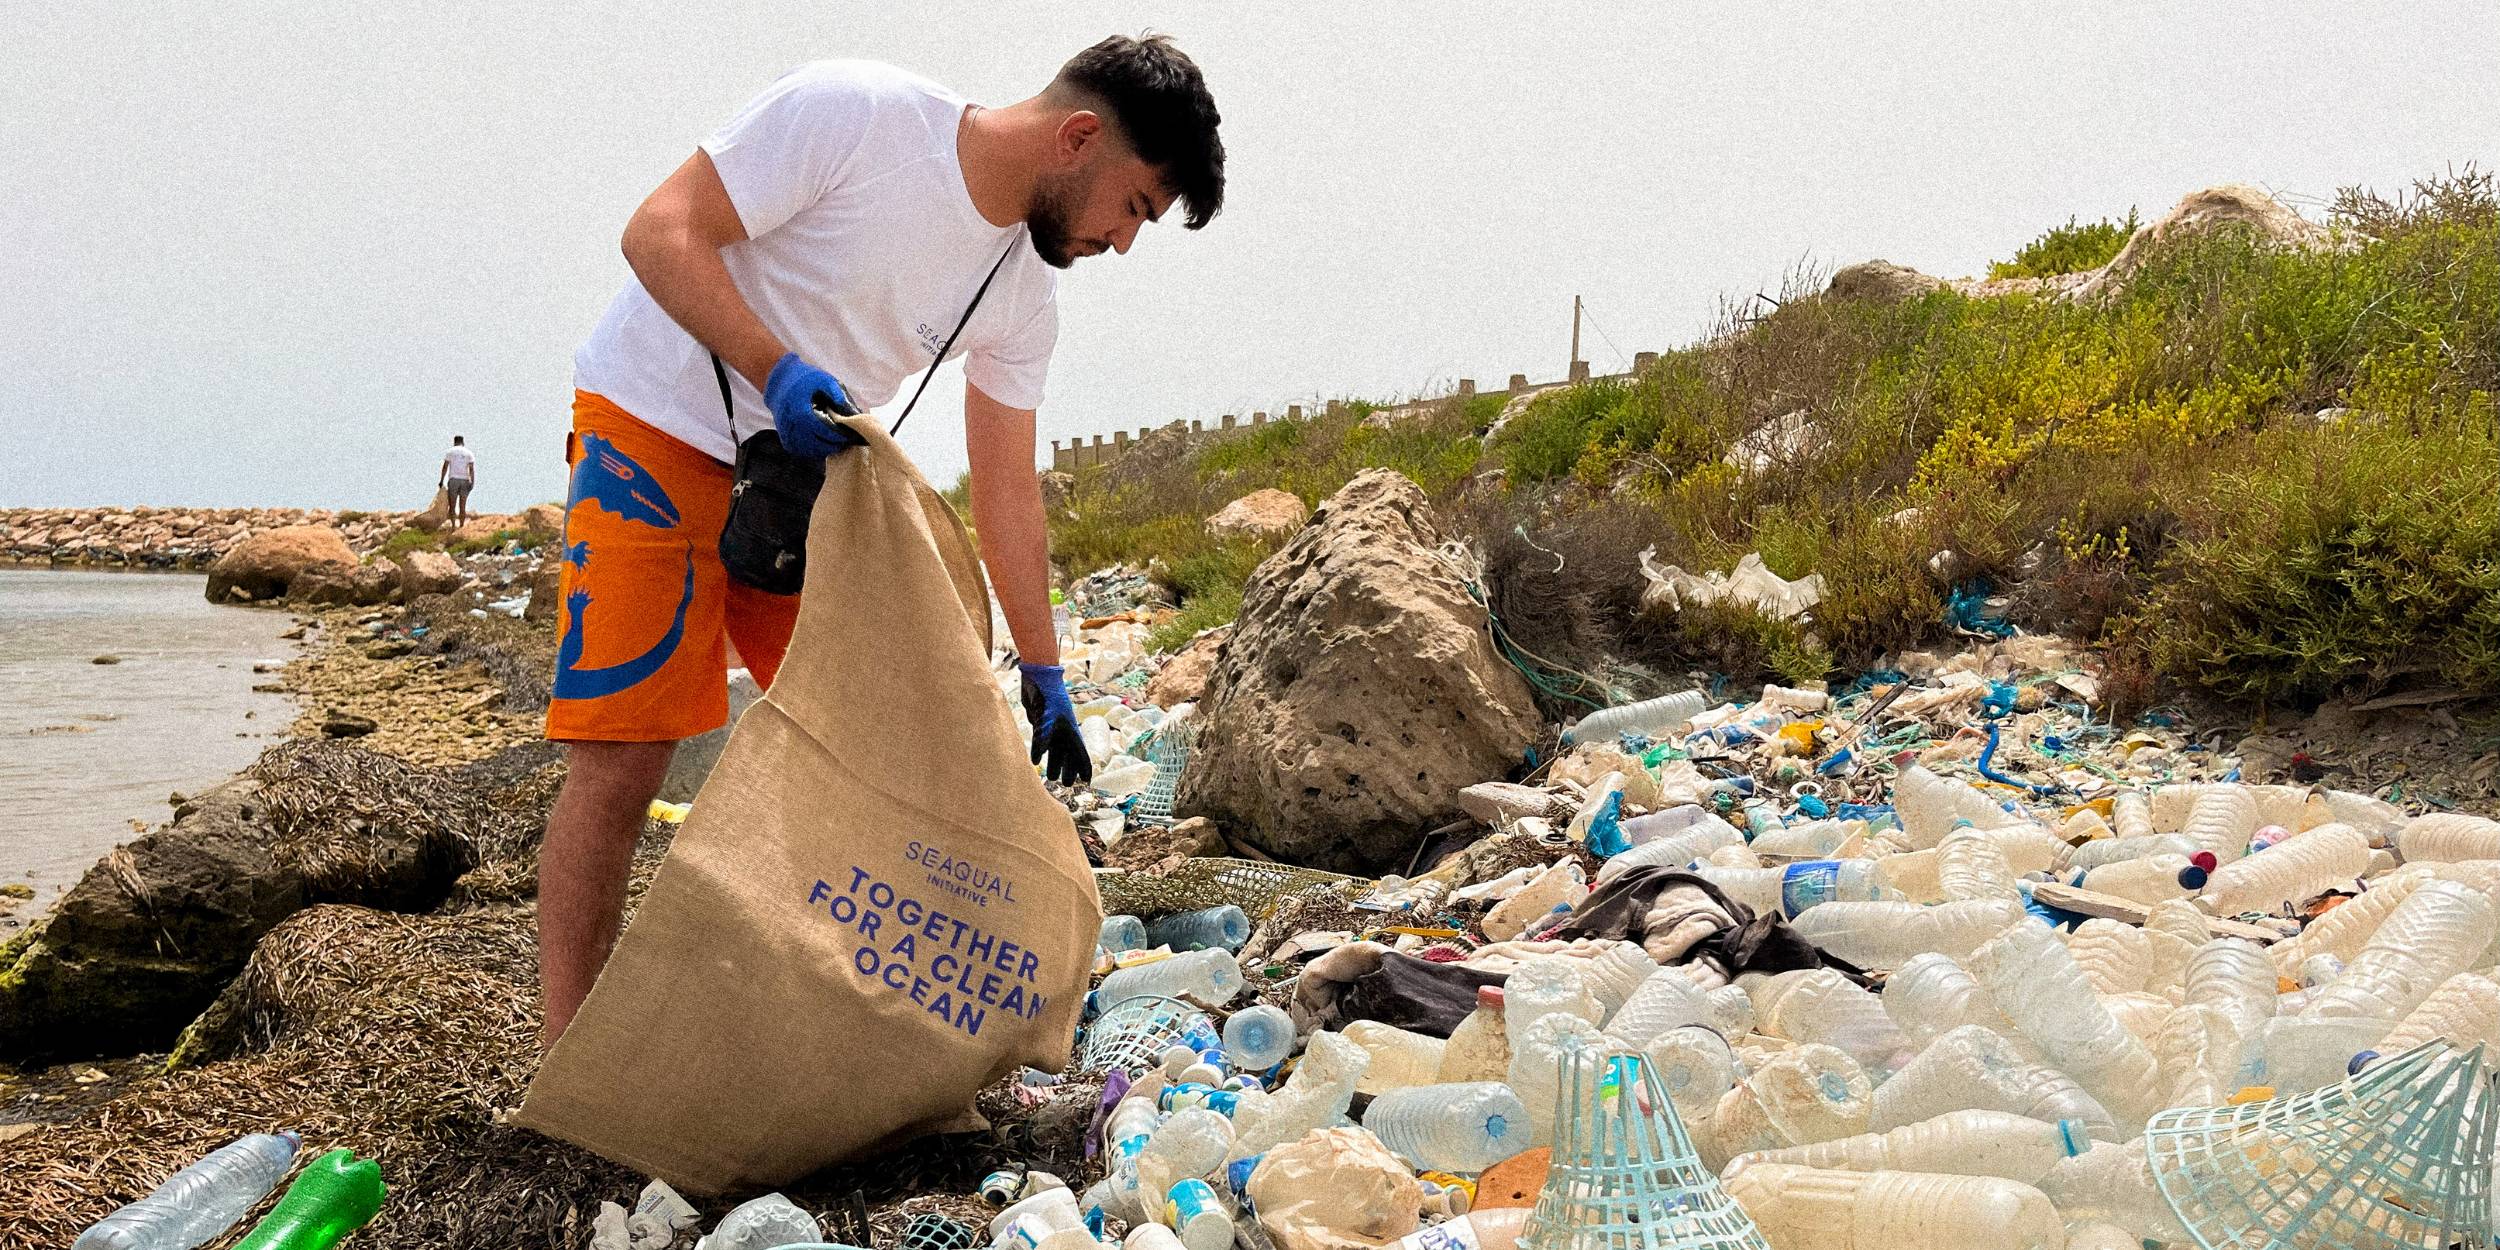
x=1479 y=1048
x=1560 y=885
x=1674 y=850
x=2436 y=933
x=1652 y=718
x=1668 y=999
x=1400 y=1060
x=1614 y=974
x=1536 y=1067
x=2448 y=836
x=2465 y=1010
x=2035 y=982
x=1211 y=977
x=1929 y=805
x=1192 y=1143
x=2116 y=958
x=1450 y=1128
x=1961 y=1143
x=1820 y=1005
x=2294 y=870
x=1818 y=1209
x=1546 y=985
x=1971 y=1067
x=1887 y=935
x=2220 y=821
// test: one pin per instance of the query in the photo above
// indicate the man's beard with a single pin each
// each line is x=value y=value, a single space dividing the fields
x=1047 y=220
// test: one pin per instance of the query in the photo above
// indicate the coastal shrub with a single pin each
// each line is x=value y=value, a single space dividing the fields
x=407 y=540
x=2070 y=248
x=1203 y=612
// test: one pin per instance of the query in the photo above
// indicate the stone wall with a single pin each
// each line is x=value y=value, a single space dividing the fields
x=166 y=538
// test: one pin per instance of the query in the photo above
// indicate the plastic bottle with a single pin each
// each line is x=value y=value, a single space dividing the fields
x=1695 y=1066
x=1208 y=928
x=2035 y=982
x=1258 y=1038
x=2112 y=1182
x=1147 y=1235
x=1545 y=985
x=1121 y=933
x=1673 y=850
x=1211 y=977
x=1192 y=1143
x=1561 y=884
x=1198 y=1215
x=1614 y=973
x=1971 y=1067
x=2292 y=871
x=1315 y=1096
x=1731 y=1011
x=2139 y=1013
x=2436 y=933
x=1497 y=1229
x=1931 y=995
x=2028 y=846
x=1400 y=1060
x=1817 y=1209
x=1536 y=1059
x=1679 y=819
x=2131 y=814
x=2296 y=1054
x=763 y=1224
x=2115 y=957
x=199 y=1202
x=1451 y=1128
x=1788 y=889
x=2221 y=820
x=1928 y=805
x=1961 y=1143
x=1655 y=719
x=1912 y=875
x=2234 y=976
x=2199 y=1051
x=1886 y=935
x=2448 y=836
x=334 y=1196
x=1130 y=1128
x=1668 y=999
x=1820 y=1005
x=2109 y=851
x=2152 y=879
x=2465 y=1010
x=1970 y=865
x=1479 y=1048
x=1813 y=1093
x=2181 y=920
x=1813 y=839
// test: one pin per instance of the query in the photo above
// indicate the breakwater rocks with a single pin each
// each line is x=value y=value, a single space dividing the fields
x=167 y=538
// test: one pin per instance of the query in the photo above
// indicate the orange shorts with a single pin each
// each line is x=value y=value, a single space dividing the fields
x=640 y=653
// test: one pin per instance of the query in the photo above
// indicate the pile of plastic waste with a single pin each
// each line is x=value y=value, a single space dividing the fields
x=332 y=1197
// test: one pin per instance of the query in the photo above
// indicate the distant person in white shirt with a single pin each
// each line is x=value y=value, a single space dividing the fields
x=458 y=476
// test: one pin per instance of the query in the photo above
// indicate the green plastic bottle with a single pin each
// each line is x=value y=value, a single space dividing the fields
x=336 y=1194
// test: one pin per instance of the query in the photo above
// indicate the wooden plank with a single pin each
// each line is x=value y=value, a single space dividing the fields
x=2128 y=911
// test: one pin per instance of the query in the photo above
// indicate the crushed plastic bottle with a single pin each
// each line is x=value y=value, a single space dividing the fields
x=2448 y=836
x=1315 y=1096
x=2036 y=983
x=1801 y=1208
x=199 y=1202
x=1931 y=995
x=1121 y=933
x=1695 y=1066
x=1973 y=1068
x=2292 y=871
x=1929 y=805
x=2234 y=976
x=2113 y=1182
x=1667 y=999
x=1651 y=718
x=1963 y=1143
x=1561 y=884
x=1399 y=1059
x=1820 y=1005
x=1192 y=1144
x=1479 y=1048
x=763 y=1224
x=1970 y=865
x=1672 y=850
x=2436 y=933
x=1546 y=985
x=1887 y=935
x=1258 y=1038
x=1210 y=977
x=1450 y=1128
x=1211 y=928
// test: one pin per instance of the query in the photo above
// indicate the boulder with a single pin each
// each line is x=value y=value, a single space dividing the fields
x=483 y=528
x=1057 y=489
x=542 y=521
x=546 y=587
x=429 y=573
x=266 y=564
x=1358 y=693
x=2231 y=204
x=1880 y=282
x=1184 y=676
x=150 y=935
x=1259 y=514
x=1149 y=457
x=361 y=586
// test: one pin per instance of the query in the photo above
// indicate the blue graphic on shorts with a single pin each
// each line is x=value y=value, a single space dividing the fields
x=575 y=682
x=611 y=479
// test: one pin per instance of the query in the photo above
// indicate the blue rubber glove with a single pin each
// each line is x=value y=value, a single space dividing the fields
x=800 y=394
x=1054 y=725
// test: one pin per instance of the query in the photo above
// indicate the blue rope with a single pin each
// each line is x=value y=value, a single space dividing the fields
x=1988 y=753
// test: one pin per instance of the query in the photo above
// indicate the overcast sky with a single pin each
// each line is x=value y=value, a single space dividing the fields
x=277 y=253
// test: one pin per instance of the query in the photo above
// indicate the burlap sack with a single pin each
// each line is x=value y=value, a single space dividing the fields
x=874 y=909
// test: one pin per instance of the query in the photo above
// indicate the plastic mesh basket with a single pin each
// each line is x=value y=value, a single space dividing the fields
x=1133 y=1035
x=2398 y=1156
x=1625 y=1174
x=1247 y=884
x=1169 y=753
x=932 y=1231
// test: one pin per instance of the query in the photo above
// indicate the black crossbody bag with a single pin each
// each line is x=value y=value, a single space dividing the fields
x=763 y=544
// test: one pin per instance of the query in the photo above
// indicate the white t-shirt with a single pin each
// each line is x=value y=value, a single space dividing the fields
x=462 y=464
x=862 y=250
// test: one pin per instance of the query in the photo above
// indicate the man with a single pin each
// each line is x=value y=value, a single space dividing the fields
x=822 y=245
x=458 y=474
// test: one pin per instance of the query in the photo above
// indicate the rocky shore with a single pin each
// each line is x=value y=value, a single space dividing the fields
x=167 y=538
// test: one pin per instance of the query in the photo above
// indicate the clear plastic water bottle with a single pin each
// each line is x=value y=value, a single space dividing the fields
x=1122 y=933
x=2113 y=1182
x=1400 y=1060
x=1479 y=1048
x=1820 y=1005
x=1537 y=1051
x=2296 y=1054
x=2465 y=1010
x=1668 y=999
x=1450 y=1128
x=2437 y=932
x=2152 y=879
x=1887 y=935
x=1961 y=1143
x=1970 y=865
x=199 y=1202
x=2180 y=919
x=1789 y=889
x=1560 y=884
x=2109 y=851
x=1545 y=985
x=763 y=1224
x=2116 y=958
x=2131 y=814
x=2035 y=982
x=1813 y=1093
x=1258 y=1038
x=2233 y=976
x=1696 y=1067
x=1315 y=1096
x=1928 y=806
x=1812 y=839
x=2220 y=821
x=1210 y=928
x=1817 y=1209
x=1191 y=1144
x=1681 y=818
x=1614 y=974
x=2295 y=870
x=2448 y=836
x=2199 y=1051
x=1673 y=850
x=1652 y=718
x=1971 y=1067
x=1731 y=1011
x=1211 y=977
x=1931 y=995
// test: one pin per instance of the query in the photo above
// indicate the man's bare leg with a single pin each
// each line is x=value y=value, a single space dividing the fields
x=583 y=864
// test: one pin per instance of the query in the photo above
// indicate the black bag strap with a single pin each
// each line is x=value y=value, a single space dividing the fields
x=730 y=410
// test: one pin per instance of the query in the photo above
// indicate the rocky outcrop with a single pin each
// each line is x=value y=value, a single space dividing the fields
x=2233 y=204
x=266 y=565
x=1881 y=282
x=1057 y=489
x=166 y=538
x=1150 y=456
x=356 y=586
x=546 y=590
x=1358 y=693
x=483 y=527
x=541 y=521
x=1184 y=676
x=150 y=935
x=1260 y=514
x=430 y=573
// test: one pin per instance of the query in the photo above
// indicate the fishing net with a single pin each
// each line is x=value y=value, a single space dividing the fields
x=1200 y=883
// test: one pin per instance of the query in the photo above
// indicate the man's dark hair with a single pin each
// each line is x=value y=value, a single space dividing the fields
x=1154 y=93
x=455 y=439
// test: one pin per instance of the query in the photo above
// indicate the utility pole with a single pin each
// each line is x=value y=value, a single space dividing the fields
x=1575 y=334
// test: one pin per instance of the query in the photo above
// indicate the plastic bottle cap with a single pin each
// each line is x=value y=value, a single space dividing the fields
x=2205 y=860
x=2192 y=877
x=1488 y=996
x=2359 y=1062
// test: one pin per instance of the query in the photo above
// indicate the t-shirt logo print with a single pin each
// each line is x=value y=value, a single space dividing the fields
x=611 y=481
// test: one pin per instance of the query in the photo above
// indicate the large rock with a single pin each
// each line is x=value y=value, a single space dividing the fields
x=1259 y=514
x=546 y=587
x=541 y=521
x=1184 y=676
x=266 y=564
x=1358 y=693
x=478 y=529
x=150 y=935
x=1057 y=489
x=2233 y=204
x=429 y=573
x=1881 y=282
x=362 y=586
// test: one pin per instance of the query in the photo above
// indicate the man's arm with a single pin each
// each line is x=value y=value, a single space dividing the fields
x=673 y=243
x=442 y=474
x=1015 y=530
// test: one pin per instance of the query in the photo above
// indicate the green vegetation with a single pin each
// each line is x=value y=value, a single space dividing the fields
x=2070 y=248
x=407 y=540
x=496 y=541
x=2259 y=470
